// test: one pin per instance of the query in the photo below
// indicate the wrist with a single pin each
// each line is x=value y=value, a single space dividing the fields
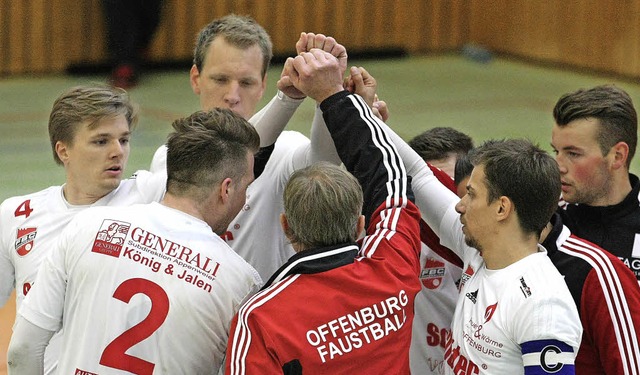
x=286 y=98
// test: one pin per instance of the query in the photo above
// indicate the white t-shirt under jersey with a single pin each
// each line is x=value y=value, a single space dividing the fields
x=145 y=281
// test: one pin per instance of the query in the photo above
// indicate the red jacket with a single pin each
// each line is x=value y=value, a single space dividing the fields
x=608 y=299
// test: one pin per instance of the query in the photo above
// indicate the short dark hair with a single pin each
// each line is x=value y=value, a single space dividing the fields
x=239 y=31
x=525 y=174
x=437 y=142
x=611 y=106
x=206 y=148
x=463 y=168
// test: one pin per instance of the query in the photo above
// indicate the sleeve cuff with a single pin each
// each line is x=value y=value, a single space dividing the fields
x=289 y=101
x=333 y=99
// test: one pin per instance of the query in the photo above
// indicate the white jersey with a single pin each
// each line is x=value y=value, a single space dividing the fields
x=434 y=307
x=513 y=317
x=518 y=319
x=142 y=287
x=31 y=224
x=505 y=320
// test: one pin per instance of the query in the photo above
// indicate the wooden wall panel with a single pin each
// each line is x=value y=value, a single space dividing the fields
x=47 y=36
x=16 y=40
x=602 y=35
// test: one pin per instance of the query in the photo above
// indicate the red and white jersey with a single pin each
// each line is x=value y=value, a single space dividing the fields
x=440 y=274
x=32 y=223
x=139 y=289
x=608 y=299
x=434 y=307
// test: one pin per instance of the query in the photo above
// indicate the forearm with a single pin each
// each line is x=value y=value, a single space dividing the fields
x=26 y=349
x=272 y=118
x=322 y=146
x=433 y=198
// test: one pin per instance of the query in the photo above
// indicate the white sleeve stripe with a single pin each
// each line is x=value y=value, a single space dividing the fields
x=371 y=243
x=533 y=359
x=242 y=336
x=615 y=298
x=396 y=185
x=391 y=160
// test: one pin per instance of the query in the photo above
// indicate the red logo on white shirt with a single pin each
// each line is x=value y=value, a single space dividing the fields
x=24 y=240
x=110 y=237
x=488 y=313
x=466 y=275
x=83 y=372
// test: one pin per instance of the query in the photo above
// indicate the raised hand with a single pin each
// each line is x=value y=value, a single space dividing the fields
x=308 y=41
x=315 y=73
x=362 y=83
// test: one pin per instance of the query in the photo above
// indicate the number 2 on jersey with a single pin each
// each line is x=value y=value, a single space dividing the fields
x=114 y=355
x=24 y=209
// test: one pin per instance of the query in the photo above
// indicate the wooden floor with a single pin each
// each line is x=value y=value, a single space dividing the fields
x=7 y=315
x=503 y=98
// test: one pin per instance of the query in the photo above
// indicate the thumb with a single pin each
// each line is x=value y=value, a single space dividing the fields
x=356 y=77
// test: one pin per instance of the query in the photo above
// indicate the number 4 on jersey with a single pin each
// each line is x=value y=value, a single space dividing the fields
x=24 y=209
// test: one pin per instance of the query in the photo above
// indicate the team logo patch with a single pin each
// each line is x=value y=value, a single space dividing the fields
x=24 y=240
x=110 y=237
x=432 y=273
x=83 y=372
x=466 y=275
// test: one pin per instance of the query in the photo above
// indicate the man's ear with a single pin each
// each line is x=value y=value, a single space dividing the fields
x=360 y=226
x=620 y=155
x=62 y=150
x=225 y=190
x=284 y=223
x=504 y=207
x=194 y=79
x=264 y=85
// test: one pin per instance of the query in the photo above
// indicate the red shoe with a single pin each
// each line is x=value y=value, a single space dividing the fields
x=124 y=76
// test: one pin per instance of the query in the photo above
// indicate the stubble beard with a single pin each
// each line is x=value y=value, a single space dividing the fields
x=471 y=242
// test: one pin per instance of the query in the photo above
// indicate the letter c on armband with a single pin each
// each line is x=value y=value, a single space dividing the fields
x=552 y=366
